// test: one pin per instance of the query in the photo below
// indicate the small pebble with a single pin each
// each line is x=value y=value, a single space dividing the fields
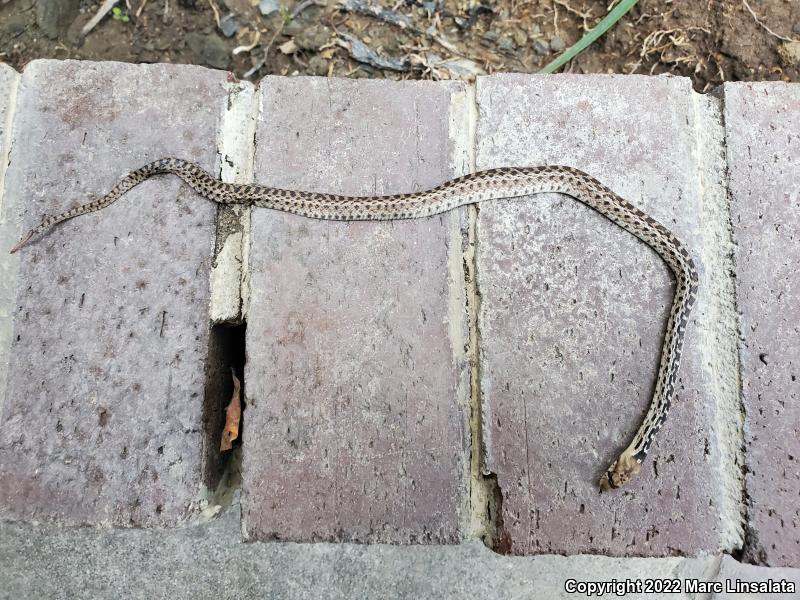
x=313 y=37
x=789 y=53
x=267 y=7
x=228 y=25
x=211 y=48
x=520 y=37
x=556 y=44
x=541 y=47
x=318 y=65
x=288 y=47
x=505 y=44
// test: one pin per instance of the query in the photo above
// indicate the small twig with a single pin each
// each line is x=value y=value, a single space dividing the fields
x=141 y=8
x=583 y=15
x=166 y=11
x=304 y=5
x=105 y=8
x=574 y=11
x=216 y=13
x=249 y=47
x=273 y=38
x=555 y=19
x=604 y=25
x=764 y=27
x=263 y=60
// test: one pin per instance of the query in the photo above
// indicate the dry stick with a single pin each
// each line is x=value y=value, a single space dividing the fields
x=263 y=61
x=104 y=10
x=767 y=29
x=141 y=8
x=249 y=47
x=216 y=13
x=582 y=15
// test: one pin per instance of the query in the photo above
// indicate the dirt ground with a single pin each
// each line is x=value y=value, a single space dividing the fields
x=708 y=40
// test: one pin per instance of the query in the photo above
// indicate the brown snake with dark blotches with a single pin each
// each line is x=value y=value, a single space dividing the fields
x=485 y=185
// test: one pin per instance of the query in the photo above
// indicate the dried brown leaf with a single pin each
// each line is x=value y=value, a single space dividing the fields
x=233 y=416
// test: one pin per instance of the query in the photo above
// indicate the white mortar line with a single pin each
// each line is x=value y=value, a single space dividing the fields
x=8 y=226
x=459 y=322
x=236 y=152
x=718 y=323
x=244 y=285
x=482 y=506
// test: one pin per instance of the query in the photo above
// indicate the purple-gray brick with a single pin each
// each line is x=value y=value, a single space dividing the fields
x=763 y=141
x=572 y=316
x=102 y=420
x=356 y=419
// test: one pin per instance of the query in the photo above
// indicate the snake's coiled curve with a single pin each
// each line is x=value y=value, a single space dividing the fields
x=507 y=182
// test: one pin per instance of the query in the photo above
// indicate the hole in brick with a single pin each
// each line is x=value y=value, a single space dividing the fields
x=226 y=351
x=499 y=539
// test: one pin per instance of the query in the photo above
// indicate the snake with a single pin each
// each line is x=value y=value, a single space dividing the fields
x=492 y=184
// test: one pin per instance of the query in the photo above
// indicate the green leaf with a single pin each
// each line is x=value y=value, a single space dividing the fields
x=591 y=35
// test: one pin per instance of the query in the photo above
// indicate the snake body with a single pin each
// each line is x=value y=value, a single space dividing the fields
x=477 y=187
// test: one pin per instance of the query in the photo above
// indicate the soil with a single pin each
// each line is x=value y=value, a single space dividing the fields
x=710 y=41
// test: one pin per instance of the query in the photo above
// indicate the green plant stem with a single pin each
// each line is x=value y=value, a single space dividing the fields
x=591 y=35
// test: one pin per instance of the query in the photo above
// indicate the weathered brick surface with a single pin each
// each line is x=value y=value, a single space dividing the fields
x=572 y=315
x=9 y=79
x=732 y=571
x=356 y=382
x=763 y=141
x=102 y=415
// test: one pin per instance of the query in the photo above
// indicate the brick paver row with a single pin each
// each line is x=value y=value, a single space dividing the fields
x=102 y=418
x=573 y=309
x=352 y=380
x=357 y=377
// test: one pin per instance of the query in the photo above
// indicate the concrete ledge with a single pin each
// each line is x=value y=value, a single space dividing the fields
x=209 y=561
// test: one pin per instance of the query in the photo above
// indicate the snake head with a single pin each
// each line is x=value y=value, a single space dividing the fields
x=47 y=221
x=23 y=240
x=620 y=472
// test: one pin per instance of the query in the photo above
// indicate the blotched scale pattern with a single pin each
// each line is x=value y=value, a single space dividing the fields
x=478 y=187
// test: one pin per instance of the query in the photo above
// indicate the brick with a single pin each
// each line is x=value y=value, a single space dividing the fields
x=103 y=414
x=763 y=158
x=572 y=316
x=9 y=79
x=732 y=571
x=355 y=427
